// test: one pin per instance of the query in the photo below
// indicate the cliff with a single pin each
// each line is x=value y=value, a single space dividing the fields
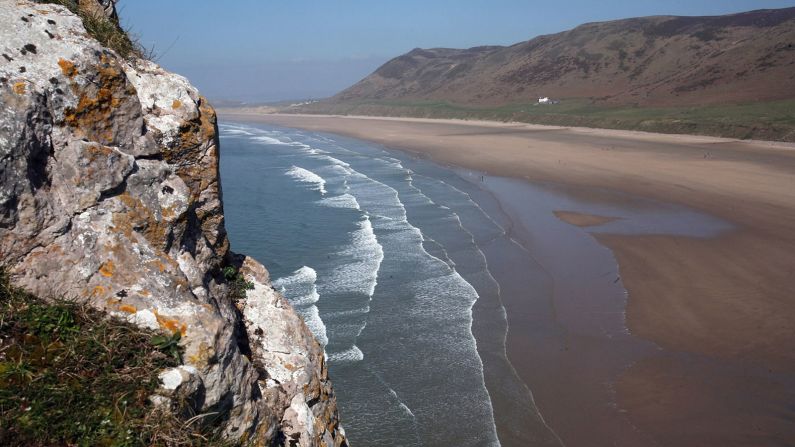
x=110 y=196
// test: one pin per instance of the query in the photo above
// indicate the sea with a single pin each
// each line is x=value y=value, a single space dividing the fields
x=379 y=253
x=403 y=268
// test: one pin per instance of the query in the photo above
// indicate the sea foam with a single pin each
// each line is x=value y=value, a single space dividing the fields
x=352 y=354
x=269 y=140
x=307 y=176
x=300 y=289
x=315 y=324
x=361 y=274
x=342 y=201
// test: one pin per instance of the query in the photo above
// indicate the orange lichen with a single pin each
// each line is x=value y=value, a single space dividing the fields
x=128 y=308
x=67 y=67
x=92 y=115
x=97 y=291
x=171 y=324
x=107 y=269
x=176 y=104
x=19 y=88
x=139 y=218
x=92 y=118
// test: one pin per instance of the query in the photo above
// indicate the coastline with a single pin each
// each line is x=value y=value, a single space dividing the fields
x=741 y=278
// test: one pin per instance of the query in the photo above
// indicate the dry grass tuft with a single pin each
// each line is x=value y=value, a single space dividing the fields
x=108 y=32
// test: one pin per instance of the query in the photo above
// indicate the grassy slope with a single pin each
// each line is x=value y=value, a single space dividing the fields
x=70 y=375
x=763 y=121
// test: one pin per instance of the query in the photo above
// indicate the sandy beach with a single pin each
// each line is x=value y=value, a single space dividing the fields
x=718 y=310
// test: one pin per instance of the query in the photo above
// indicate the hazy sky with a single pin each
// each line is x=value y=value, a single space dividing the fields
x=264 y=50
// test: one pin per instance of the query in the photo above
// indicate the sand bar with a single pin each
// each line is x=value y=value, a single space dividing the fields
x=582 y=219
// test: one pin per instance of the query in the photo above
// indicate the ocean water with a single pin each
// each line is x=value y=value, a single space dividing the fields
x=383 y=264
x=403 y=269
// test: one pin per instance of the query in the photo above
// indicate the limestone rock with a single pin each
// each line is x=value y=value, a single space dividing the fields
x=293 y=359
x=110 y=195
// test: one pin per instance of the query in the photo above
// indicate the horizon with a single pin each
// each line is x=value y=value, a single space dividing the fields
x=260 y=53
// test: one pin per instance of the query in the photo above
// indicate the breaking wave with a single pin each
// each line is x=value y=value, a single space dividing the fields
x=307 y=176
x=300 y=289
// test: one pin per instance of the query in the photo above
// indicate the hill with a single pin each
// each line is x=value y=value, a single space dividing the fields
x=731 y=76
x=650 y=61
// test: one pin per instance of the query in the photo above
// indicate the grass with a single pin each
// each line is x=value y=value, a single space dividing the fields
x=237 y=283
x=108 y=32
x=72 y=376
x=773 y=120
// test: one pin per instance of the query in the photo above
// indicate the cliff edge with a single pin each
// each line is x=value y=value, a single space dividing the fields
x=110 y=195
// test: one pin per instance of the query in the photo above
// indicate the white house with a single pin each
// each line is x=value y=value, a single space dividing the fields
x=544 y=100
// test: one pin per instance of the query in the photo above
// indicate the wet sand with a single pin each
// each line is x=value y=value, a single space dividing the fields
x=582 y=219
x=710 y=319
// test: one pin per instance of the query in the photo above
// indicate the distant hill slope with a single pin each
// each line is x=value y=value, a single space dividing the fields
x=660 y=61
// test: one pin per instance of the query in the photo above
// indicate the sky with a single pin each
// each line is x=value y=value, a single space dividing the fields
x=273 y=50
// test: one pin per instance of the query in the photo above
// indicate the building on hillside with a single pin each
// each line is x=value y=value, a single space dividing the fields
x=547 y=100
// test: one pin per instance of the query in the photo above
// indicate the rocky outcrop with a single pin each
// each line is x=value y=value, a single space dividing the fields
x=110 y=195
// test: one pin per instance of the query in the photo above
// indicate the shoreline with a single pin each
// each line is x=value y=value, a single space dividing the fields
x=750 y=189
x=786 y=145
x=586 y=158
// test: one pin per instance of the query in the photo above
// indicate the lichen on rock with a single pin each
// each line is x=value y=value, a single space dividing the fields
x=110 y=195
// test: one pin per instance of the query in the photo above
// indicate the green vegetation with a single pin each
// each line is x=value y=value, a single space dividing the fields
x=108 y=32
x=237 y=284
x=169 y=344
x=69 y=375
x=774 y=120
